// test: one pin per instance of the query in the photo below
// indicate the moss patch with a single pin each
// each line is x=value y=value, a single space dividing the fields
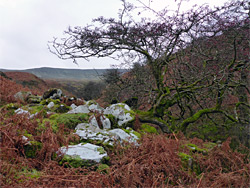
x=31 y=149
x=145 y=128
x=103 y=168
x=101 y=150
x=113 y=121
x=75 y=162
x=31 y=173
x=69 y=120
x=130 y=130
x=47 y=101
x=195 y=148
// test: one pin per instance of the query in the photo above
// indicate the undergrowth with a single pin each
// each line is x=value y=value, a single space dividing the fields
x=156 y=162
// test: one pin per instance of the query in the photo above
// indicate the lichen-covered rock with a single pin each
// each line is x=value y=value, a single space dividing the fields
x=87 y=151
x=22 y=96
x=34 y=99
x=94 y=106
x=51 y=104
x=21 y=111
x=80 y=109
x=121 y=135
x=73 y=106
x=106 y=124
x=90 y=132
x=122 y=112
x=53 y=93
x=62 y=108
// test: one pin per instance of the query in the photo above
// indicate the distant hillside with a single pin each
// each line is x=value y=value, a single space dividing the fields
x=28 y=80
x=65 y=74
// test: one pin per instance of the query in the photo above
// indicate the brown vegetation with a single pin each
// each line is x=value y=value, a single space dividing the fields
x=155 y=162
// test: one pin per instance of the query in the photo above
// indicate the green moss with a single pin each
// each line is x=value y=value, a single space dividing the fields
x=32 y=173
x=29 y=173
x=75 y=162
x=113 y=120
x=101 y=150
x=105 y=160
x=189 y=164
x=47 y=101
x=69 y=120
x=184 y=156
x=60 y=108
x=12 y=106
x=130 y=130
x=103 y=168
x=53 y=123
x=209 y=145
x=91 y=102
x=30 y=136
x=36 y=109
x=31 y=149
x=145 y=128
x=194 y=148
x=209 y=131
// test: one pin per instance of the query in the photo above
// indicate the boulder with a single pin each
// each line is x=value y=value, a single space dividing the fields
x=51 y=105
x=34 y=99
x=62 y=108
x=122 y=112
x=21 y=111
x=90 y=132
x=22 y=96
x=53 y=94
x=87 y=151
x=121 y=135
x=94 y=106
x=106 y=124
x=25 y=112
x=80 y=109
x=73 y=106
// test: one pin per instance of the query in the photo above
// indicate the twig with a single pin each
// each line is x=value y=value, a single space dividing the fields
x=200 y=181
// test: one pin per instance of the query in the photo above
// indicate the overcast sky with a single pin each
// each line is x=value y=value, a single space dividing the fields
x=26 y=26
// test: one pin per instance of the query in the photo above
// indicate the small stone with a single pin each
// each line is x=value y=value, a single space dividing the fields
x=51 y=105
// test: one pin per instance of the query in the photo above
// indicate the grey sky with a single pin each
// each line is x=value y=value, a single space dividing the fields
x=26 y=26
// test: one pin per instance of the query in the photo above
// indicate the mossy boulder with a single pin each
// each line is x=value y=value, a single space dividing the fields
x=69 y=120
x=53 y=93
x=194 y=148
x=75 y=161
x=22 y=96
x=123 y=114
x=189 y=164
x=146 y=128
x=133 y=133
x=12 y=106
x=61 y=108
x=81 y=155
x=47 y=101
x=34 y=99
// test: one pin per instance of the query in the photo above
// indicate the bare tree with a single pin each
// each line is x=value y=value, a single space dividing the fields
x=199 y=59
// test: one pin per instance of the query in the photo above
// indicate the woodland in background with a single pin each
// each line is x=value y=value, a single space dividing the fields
x=195 y=65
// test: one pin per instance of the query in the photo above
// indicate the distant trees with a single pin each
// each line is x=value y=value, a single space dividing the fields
x=136 y=83
x=92 y=90
x=199 y=61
